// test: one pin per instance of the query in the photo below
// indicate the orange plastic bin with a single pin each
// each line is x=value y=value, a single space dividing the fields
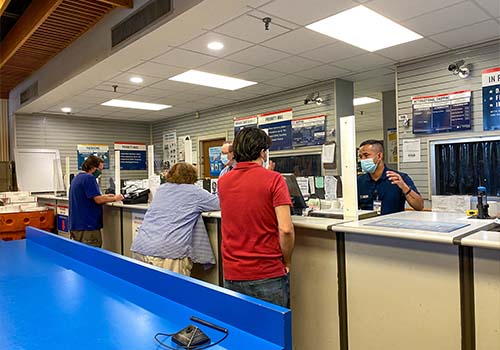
x=13 y=225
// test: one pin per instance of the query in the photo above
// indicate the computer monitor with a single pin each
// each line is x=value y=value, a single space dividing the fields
x=298 y=202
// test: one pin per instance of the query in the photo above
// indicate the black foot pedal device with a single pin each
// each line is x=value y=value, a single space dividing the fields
x=190 y=336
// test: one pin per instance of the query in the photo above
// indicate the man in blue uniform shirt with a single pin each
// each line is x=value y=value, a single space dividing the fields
x=380 y=188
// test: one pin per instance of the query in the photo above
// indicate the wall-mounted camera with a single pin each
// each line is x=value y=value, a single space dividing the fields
x=313 y=98
x=460 y=68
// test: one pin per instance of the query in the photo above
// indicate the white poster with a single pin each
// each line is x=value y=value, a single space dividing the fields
x=411 y=150
x=328 y=154
x=169 y=149
x=330 y=187
x=181 y=151
x=303 y=183
x=137 y=220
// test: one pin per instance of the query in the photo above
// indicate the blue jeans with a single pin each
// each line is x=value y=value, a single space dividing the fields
x=275 y=290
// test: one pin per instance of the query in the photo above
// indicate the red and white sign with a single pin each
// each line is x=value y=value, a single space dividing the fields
x=275 y=117
x=130 y=146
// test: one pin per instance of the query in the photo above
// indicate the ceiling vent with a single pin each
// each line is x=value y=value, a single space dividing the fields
x=29 y=93
x=139 y=20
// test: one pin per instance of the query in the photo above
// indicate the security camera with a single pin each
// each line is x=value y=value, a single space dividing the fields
x=454 y=67
x=460 y=68
x=313 y=97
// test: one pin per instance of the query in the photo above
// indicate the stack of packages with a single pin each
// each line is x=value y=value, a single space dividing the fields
x=15 y=202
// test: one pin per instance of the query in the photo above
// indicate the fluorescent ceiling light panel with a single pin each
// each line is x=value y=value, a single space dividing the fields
x=135 y=105
x=215 y=45
x=363 y=101
x=364 y=28
x=212 y=80
x=66 y=109
x=136 y=80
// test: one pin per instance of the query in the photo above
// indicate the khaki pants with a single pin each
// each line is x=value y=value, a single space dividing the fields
x=93 y=238
x=182 y=266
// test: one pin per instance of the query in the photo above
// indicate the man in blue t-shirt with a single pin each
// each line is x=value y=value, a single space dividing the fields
x=381 y=188
x=85 y=200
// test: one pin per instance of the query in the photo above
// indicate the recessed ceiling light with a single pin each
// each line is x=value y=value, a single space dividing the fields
x=364 y=28
x=135 y=105
x=66 y=109
x=363 y=101
x=215 y=45
x=136 y=80
x=212 y=80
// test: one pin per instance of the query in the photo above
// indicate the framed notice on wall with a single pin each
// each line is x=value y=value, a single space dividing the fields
x=491 y=99
x=442 y=113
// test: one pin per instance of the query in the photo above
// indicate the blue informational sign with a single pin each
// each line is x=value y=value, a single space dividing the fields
x=133 y=160
x=310 y=131
x=62 y=223
x=84 y=151
x=280 y=133
x=491 y=99
x=442 y=113
x=215 y=163
x=133 y=156
x=278 y=126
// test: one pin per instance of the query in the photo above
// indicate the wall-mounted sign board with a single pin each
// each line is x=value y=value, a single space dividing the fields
x=442 y=113
x=491 y=98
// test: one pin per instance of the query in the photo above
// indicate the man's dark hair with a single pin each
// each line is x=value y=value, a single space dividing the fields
x=248 y=144
x=378 y=143
x=91 y=162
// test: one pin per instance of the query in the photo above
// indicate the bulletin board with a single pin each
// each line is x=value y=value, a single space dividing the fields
x=38 y=170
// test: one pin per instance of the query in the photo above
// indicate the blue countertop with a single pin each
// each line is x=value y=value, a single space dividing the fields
x=50 y=299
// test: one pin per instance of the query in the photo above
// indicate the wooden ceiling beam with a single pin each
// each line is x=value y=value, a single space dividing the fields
x=120 y=3
x=33 y=17
x=3 y=6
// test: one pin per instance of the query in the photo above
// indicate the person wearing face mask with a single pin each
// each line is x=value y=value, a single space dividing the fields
x=227 y=158
x=85 y=203
x=257 y=230
x=381 y=188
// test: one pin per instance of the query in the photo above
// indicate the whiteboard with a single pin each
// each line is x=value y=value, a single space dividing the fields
x=38 y=170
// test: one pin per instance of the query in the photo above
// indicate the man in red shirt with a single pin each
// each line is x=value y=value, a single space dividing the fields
x=257 y=229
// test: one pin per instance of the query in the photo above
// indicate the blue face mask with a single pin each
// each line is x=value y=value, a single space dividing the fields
x=224 y=159
x=368 y=166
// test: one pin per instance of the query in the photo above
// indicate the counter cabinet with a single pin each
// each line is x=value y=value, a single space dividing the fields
x=363 y=287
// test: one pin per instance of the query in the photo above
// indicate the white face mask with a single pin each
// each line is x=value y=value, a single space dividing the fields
x=265 y=160
x=224 y=159
x=368 y=165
